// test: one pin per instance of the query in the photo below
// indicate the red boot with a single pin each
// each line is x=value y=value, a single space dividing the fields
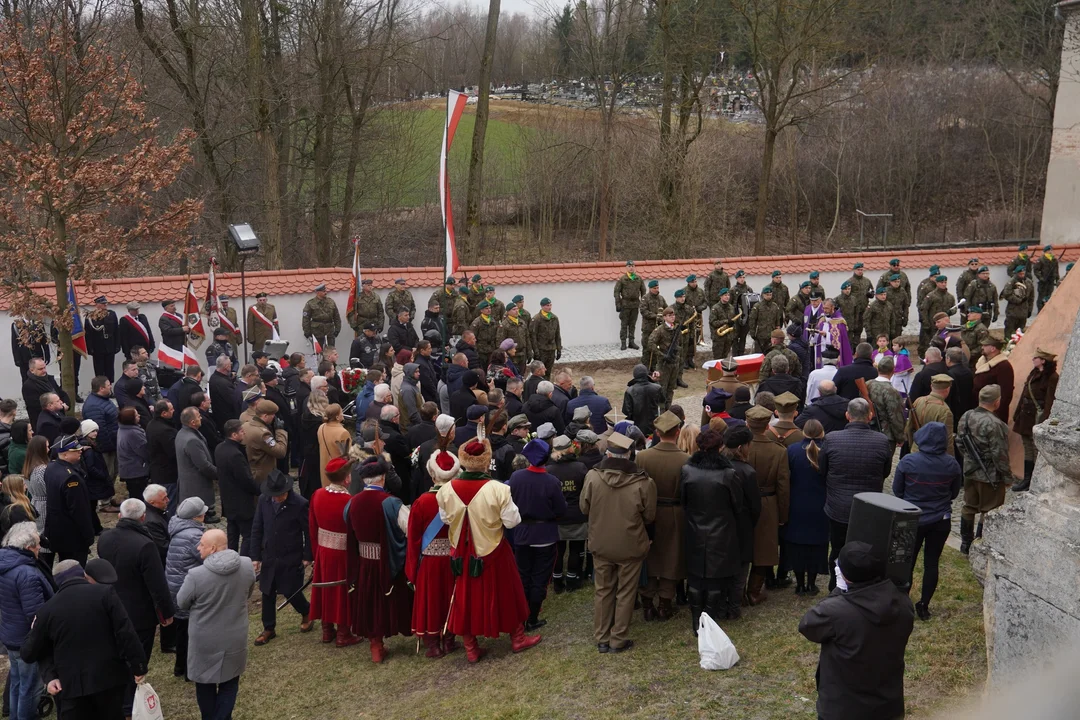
x=449 y=644
x=473 y=651
x=328 y=632
x=346 y=638
x=434 y=646
x=378 y=650
x=519 y=641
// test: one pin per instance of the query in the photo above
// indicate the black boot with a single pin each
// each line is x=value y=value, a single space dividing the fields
x=967 y=534
x=622 y=344
x=534 y=622
x=680 y=592
x=696 y=598
x=557 y=583
x=681 y=384
x=632 y=345
x=716 y=604
x=978 y=530
x=1029 y=470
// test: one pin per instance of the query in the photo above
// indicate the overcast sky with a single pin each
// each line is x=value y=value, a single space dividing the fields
x=509 y=7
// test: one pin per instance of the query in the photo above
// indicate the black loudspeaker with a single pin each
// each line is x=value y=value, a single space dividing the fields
x=889 y=525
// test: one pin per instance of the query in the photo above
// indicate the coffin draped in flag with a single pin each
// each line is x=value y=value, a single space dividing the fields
x=78 y=335
x=193 y=317
x=215 y=318
x=455 y=105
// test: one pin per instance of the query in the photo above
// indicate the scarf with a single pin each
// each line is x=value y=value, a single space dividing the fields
x=485 y=318
x=513 y=319
x=547 y=315
x=631 y=275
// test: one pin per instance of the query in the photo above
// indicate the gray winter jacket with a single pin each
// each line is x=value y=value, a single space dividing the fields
x=215 y=595
x=132 y=459
x=194 y=466
x=183 y=555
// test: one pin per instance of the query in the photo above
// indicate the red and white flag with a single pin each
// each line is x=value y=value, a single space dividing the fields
x=455 y=105
x=193 y=316
x=262 y=319
x=175 y=359
x=355 y=293
x=215 y=318
x=316 y=346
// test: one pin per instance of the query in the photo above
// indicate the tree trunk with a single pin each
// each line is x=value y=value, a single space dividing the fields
x=763 y=191
x=474 y=195
x=605 y=183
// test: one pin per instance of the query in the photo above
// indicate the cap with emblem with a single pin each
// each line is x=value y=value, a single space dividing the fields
x=1023 y=247
x=367 y=281
x=941 y=380
x=517 y=299
x=489 y=288
x=654 y=283
x=667 y=422
x=223 y=297
x=941 y=278
x=372 y=327
x=1047 y=248
x=804 y=284
x=66 y=443
x=167 y=303
x=265 y=407
x=450 y=280
x=818 y=294
x=587 y=437
x=399 y=281
x=476 y=278
x=952 y=328
x=516 y=422
x=728 y=365
x=545 y=301
x=691 y=278
x=881 y=291
x=321 y=287
x=1044 y=354
x=619 y=444
x=629 y=263
x=845 y=285
x=757 y=418
x=740 y=273
x=786 y=402
x=776 y=273
x=767 y=290
x=101 y=299
x=482 y=305
x=724 y=291
x=133 y=305
x=463 y=291
x=260 y=295
x=935 y=270
x=975 y=310
x=895 y=277
x=982 y=269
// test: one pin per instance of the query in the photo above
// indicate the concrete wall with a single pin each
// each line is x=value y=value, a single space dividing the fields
x=1060 y=221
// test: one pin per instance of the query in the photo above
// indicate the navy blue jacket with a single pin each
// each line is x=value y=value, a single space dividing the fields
x=802 y=351
x=23 y=589
x=807 y=523
x=539 y=498
x=69 y=513
x=929 y=478
x=280 y=540
x=846 y=376
x=853 y=460
x=598 y=407
x=102 y=411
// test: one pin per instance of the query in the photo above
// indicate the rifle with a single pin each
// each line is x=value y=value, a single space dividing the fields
x=970 y=448
x=677 y=333
x=865 y=395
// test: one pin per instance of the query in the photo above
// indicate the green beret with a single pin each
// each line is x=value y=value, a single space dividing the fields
x=815 y=275
x=740 y=273
x=490 y=288
x=767 y=290
x=982 y=269
x=1023 y=248
x=476 y=277
x=463 y=291
x=804 y=284
x=724 y=291
x=691 y=278
x=545 y=301
x=941 y=278
x=1019 y=269
x=1048 y=248
x=895 y=277
x=654 y=283
x=856 y=266
x=881 y=291
x=776 y=272
x=975 y=309
x=518 y=298
x=1069 y=267
x=483 y=304
x=935 y=270
x=629 y=263
x=450 y=281
x=845 y=285
x=894 y=261
x=680 y=293
x=972 y=261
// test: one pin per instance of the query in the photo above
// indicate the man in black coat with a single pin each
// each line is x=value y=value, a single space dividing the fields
x=421 y=432
x=781 y=381
x=87 y=646
x=140 y=578
x=156 y=521
x=365 y=347
x=102 y=340
x=461 y=400
x=512 y=395
x=191 y=384
x=642 y=399
x=402 y=334
x=540 y=408
x=933 y=364
x=37 y=383
x=467 y=347
x=239 y=491
x=69 y=512
x=224 y=404
x=962 y=396
x=397 y=446
x=134 y=329
x=863 y=632
x=429 y=371
x=281 y=549
x=828 y=408
x=861 y=367
x=51 y=416
x=161 y=449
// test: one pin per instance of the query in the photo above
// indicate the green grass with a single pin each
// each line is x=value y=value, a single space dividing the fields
x=564 y=677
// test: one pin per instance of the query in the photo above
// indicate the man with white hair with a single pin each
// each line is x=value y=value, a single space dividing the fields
x=445 y=429
x=156 y=521
x=598 y=405
x=140 y=578
x=23 y=590
x=383 y=397
x=830 y=356
x=541 y=408
x=397 y=446
x=223 y=398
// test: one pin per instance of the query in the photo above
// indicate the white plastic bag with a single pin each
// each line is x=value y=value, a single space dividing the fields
x=716 y=650
x=147 y=703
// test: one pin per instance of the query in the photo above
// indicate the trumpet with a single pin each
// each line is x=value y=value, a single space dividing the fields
x=729 y=325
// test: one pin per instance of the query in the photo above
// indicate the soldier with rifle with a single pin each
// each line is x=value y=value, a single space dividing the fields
x=665 y=348
x=987 y=474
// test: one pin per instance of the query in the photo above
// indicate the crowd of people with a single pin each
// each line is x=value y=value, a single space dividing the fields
x=439 y=484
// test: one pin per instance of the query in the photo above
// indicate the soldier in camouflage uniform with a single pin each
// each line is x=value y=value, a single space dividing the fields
x=777 y=348
x=720 y=315
x=695 y=297
x=743 y=327
x=888 y=405
x=879 y=316
x=938 y=300
x=545 y=336
x=486 y=330
x=1022 y=258
x=367 y=309
x=657 y=346
x=321 y=318
x=1046 y=272
x=983 y=293
x=927 y=285
x=781 y=294
x=971 y=273
x=796 y=306
x=629 y=289
x=399 y=298
x=515 y=328
x=461 y=315
x=984 y=491
x=498 y=309
x=447 y=297
x=904 y=297
x=764 y=318
x=477 y=292
x=717 y=280
x=523 y=358
x=683 y=312
x=897 y=298
x=815 y=283
x=862 y=290
x=1019 y=296
x=973 y=334
x=851 y=308
x=652 y=311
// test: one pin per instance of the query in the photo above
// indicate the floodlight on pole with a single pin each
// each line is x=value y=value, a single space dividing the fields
x=247 y=243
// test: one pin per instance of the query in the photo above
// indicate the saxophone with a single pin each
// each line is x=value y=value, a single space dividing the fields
x=729 y=325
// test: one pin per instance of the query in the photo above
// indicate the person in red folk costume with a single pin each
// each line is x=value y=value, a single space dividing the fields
x=329 y=533
x=427 y=564
x=488 y=596
x=377 y=523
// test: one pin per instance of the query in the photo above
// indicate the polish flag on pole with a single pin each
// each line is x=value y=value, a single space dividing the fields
x=355 y=293
x=175 y=359
x=316 y=346
x=455 y=105
x=193 y=317
x=78 y=335
x=214 y=317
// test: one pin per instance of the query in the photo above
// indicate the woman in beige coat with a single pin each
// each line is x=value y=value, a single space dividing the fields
x=334 y=440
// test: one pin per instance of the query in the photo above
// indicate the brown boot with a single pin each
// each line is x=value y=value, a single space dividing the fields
x=328 y=632
x=473 y=651
x=345 y=638
x=755 y=589
x=449 y=644
x=434 y=647
x=306 y=625
x=378 y=650
x=648 y=609
x=265 y=636
x=666 y=611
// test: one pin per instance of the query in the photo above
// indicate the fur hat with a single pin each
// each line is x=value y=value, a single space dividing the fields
x=443 y=467
x=475 y=456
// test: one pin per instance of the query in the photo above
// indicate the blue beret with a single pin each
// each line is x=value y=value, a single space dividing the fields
x=654 y=283
x=680 y=293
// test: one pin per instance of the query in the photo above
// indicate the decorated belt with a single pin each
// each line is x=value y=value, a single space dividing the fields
x=370 y=551
x=332 y=540
x=439 y=547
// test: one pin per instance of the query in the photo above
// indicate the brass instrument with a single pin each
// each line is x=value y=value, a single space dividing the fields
x=688 y=323
x=729 y=325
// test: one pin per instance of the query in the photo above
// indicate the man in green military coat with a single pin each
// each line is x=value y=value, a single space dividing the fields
x=973 y=333
x=852 y=308
x=660 y=342
x=742 y=329
x=695 y=297
x=652 y=310
x=862 y=289
x=985 y=483
x=230 y=313
x=983 y=293
x=321 y=318
x=1019 y=296
x=516 y=329
x=498 y=309
x=717 y=279
x=545 y=336
x=897 y=298
x=684 y=311
x=904 y=296
x=461 y=315
x=721 y=325
x=399 y=298
x=764 y=318
x=780 y=291
x=526 y=319
x=477 y=292
x=796 y=306
x=629 y=289
x=1022 y=258
x=962 y=283
x=879 y=316
x=938 y=300
x=927 y=285
x=367 y=309
x=446 y=299
x=815 y=283
x=1046 y=272
x=486 y=330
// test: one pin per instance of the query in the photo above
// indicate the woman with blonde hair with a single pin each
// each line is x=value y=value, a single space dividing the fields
x=33 y=470
x=688 y=438
x=311 y=419
x=19 y=508
x=334 y=439
x=806 y=534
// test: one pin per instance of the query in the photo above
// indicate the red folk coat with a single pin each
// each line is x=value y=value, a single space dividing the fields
x=328 y=539
x=430 y=574
x=381 y=605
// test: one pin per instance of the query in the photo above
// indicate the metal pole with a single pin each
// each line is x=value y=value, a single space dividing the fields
x=243 y=305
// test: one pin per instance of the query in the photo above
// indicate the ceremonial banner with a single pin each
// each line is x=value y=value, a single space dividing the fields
x=193 y=318
x=78 y=336
x=316 y=346
x=212 y=306
x=455 y=105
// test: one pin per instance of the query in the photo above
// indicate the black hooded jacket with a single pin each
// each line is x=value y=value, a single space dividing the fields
x=829 y=410
x=642 y=399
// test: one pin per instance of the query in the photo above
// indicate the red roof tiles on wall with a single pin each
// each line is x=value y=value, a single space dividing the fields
x=303 y=281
